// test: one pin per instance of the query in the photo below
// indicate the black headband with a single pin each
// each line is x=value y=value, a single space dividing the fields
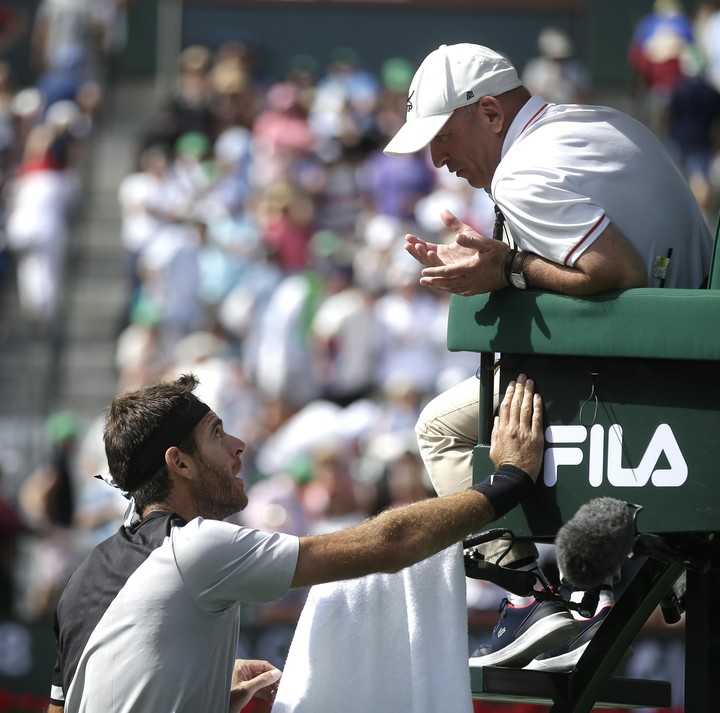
x=150 y=455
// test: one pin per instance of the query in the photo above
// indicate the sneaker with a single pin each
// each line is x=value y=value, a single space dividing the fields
x=524 y=632
x=564 y=658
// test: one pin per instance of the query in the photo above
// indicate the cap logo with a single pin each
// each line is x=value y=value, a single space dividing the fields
x=469 y=95
x=409 y=103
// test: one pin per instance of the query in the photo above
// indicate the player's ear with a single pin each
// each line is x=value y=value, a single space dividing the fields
x=178 y=463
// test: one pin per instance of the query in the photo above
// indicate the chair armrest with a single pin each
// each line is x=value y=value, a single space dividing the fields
x=651 y=323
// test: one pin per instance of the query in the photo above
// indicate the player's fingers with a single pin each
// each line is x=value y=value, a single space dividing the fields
x=517 y=399
x=262 y=681
x=526 y=405
x=537 y=417
x=505 y=406
x=495 y=432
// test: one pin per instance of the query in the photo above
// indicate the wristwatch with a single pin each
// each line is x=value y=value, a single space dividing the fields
x=514 y=261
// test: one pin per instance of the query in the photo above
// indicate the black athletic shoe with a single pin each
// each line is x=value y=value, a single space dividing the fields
x=524 y=632
x=564 y=658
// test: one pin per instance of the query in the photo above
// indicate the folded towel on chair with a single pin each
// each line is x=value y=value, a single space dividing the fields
x=385 y=642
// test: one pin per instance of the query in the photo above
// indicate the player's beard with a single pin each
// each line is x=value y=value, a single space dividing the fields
x=217 y=494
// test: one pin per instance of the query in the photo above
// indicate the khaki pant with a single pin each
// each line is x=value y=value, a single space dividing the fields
x=447 y=432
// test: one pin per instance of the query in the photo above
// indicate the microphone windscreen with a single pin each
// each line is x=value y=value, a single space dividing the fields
x=594 y=543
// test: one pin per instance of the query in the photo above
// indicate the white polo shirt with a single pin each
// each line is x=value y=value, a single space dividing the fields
x=567 y=171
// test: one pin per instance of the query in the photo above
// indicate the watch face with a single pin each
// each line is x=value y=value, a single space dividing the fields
x=518 y=281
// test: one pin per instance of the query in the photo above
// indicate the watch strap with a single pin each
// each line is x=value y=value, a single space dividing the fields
x=509 y=260
x=520 y=258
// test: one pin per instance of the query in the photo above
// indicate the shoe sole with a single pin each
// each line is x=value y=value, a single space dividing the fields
x=563 y=662
x=567 y=661
x=547 y=633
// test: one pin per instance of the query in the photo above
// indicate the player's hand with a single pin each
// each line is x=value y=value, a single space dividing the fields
x=253 y=679
x=517 y=438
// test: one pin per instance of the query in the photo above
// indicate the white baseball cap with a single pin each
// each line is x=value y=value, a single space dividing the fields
x=449 y=77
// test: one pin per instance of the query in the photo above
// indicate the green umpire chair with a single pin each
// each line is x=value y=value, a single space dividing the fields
x=631 y=389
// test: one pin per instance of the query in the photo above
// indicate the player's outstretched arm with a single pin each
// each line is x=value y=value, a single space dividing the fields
x=402 y=536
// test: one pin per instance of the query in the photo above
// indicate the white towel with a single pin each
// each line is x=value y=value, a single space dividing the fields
x=385 y=642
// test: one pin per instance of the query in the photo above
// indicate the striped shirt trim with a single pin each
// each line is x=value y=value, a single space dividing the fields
x=535 y=116
x=587 y=235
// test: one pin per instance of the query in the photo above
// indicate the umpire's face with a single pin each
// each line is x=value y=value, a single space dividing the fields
x=470 y=143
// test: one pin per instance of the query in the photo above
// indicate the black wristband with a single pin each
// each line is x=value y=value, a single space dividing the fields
x=505 y=488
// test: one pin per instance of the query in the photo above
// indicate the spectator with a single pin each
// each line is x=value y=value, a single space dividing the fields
x=141 y=209
x=281 y=363
x=345 y=101
x=189 y=101
x=65 y=31
x=12 y=527
x=171 y=274
x=344 y=338
x=48 y=500
x=395 y=187
x=282 y=135
x=43 y=194
x=13 y=24
x=99 y=510
x=236 y=95
x=405 y=315
x=654 y=53
x=70 y=79
x=286 y=220
x=708 y=40
x=557 y=74
x=8 y=132
x=692 y=120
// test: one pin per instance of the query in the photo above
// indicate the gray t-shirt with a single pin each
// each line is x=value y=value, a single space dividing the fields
x=150 y=621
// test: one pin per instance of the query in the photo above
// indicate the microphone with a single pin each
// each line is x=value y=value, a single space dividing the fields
x=594 y=543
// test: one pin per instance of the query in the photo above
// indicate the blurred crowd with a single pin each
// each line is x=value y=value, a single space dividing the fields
x=675 y=57
x=43 y=124
x=263 y=229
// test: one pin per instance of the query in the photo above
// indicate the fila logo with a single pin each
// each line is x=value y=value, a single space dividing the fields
x=637 y=475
